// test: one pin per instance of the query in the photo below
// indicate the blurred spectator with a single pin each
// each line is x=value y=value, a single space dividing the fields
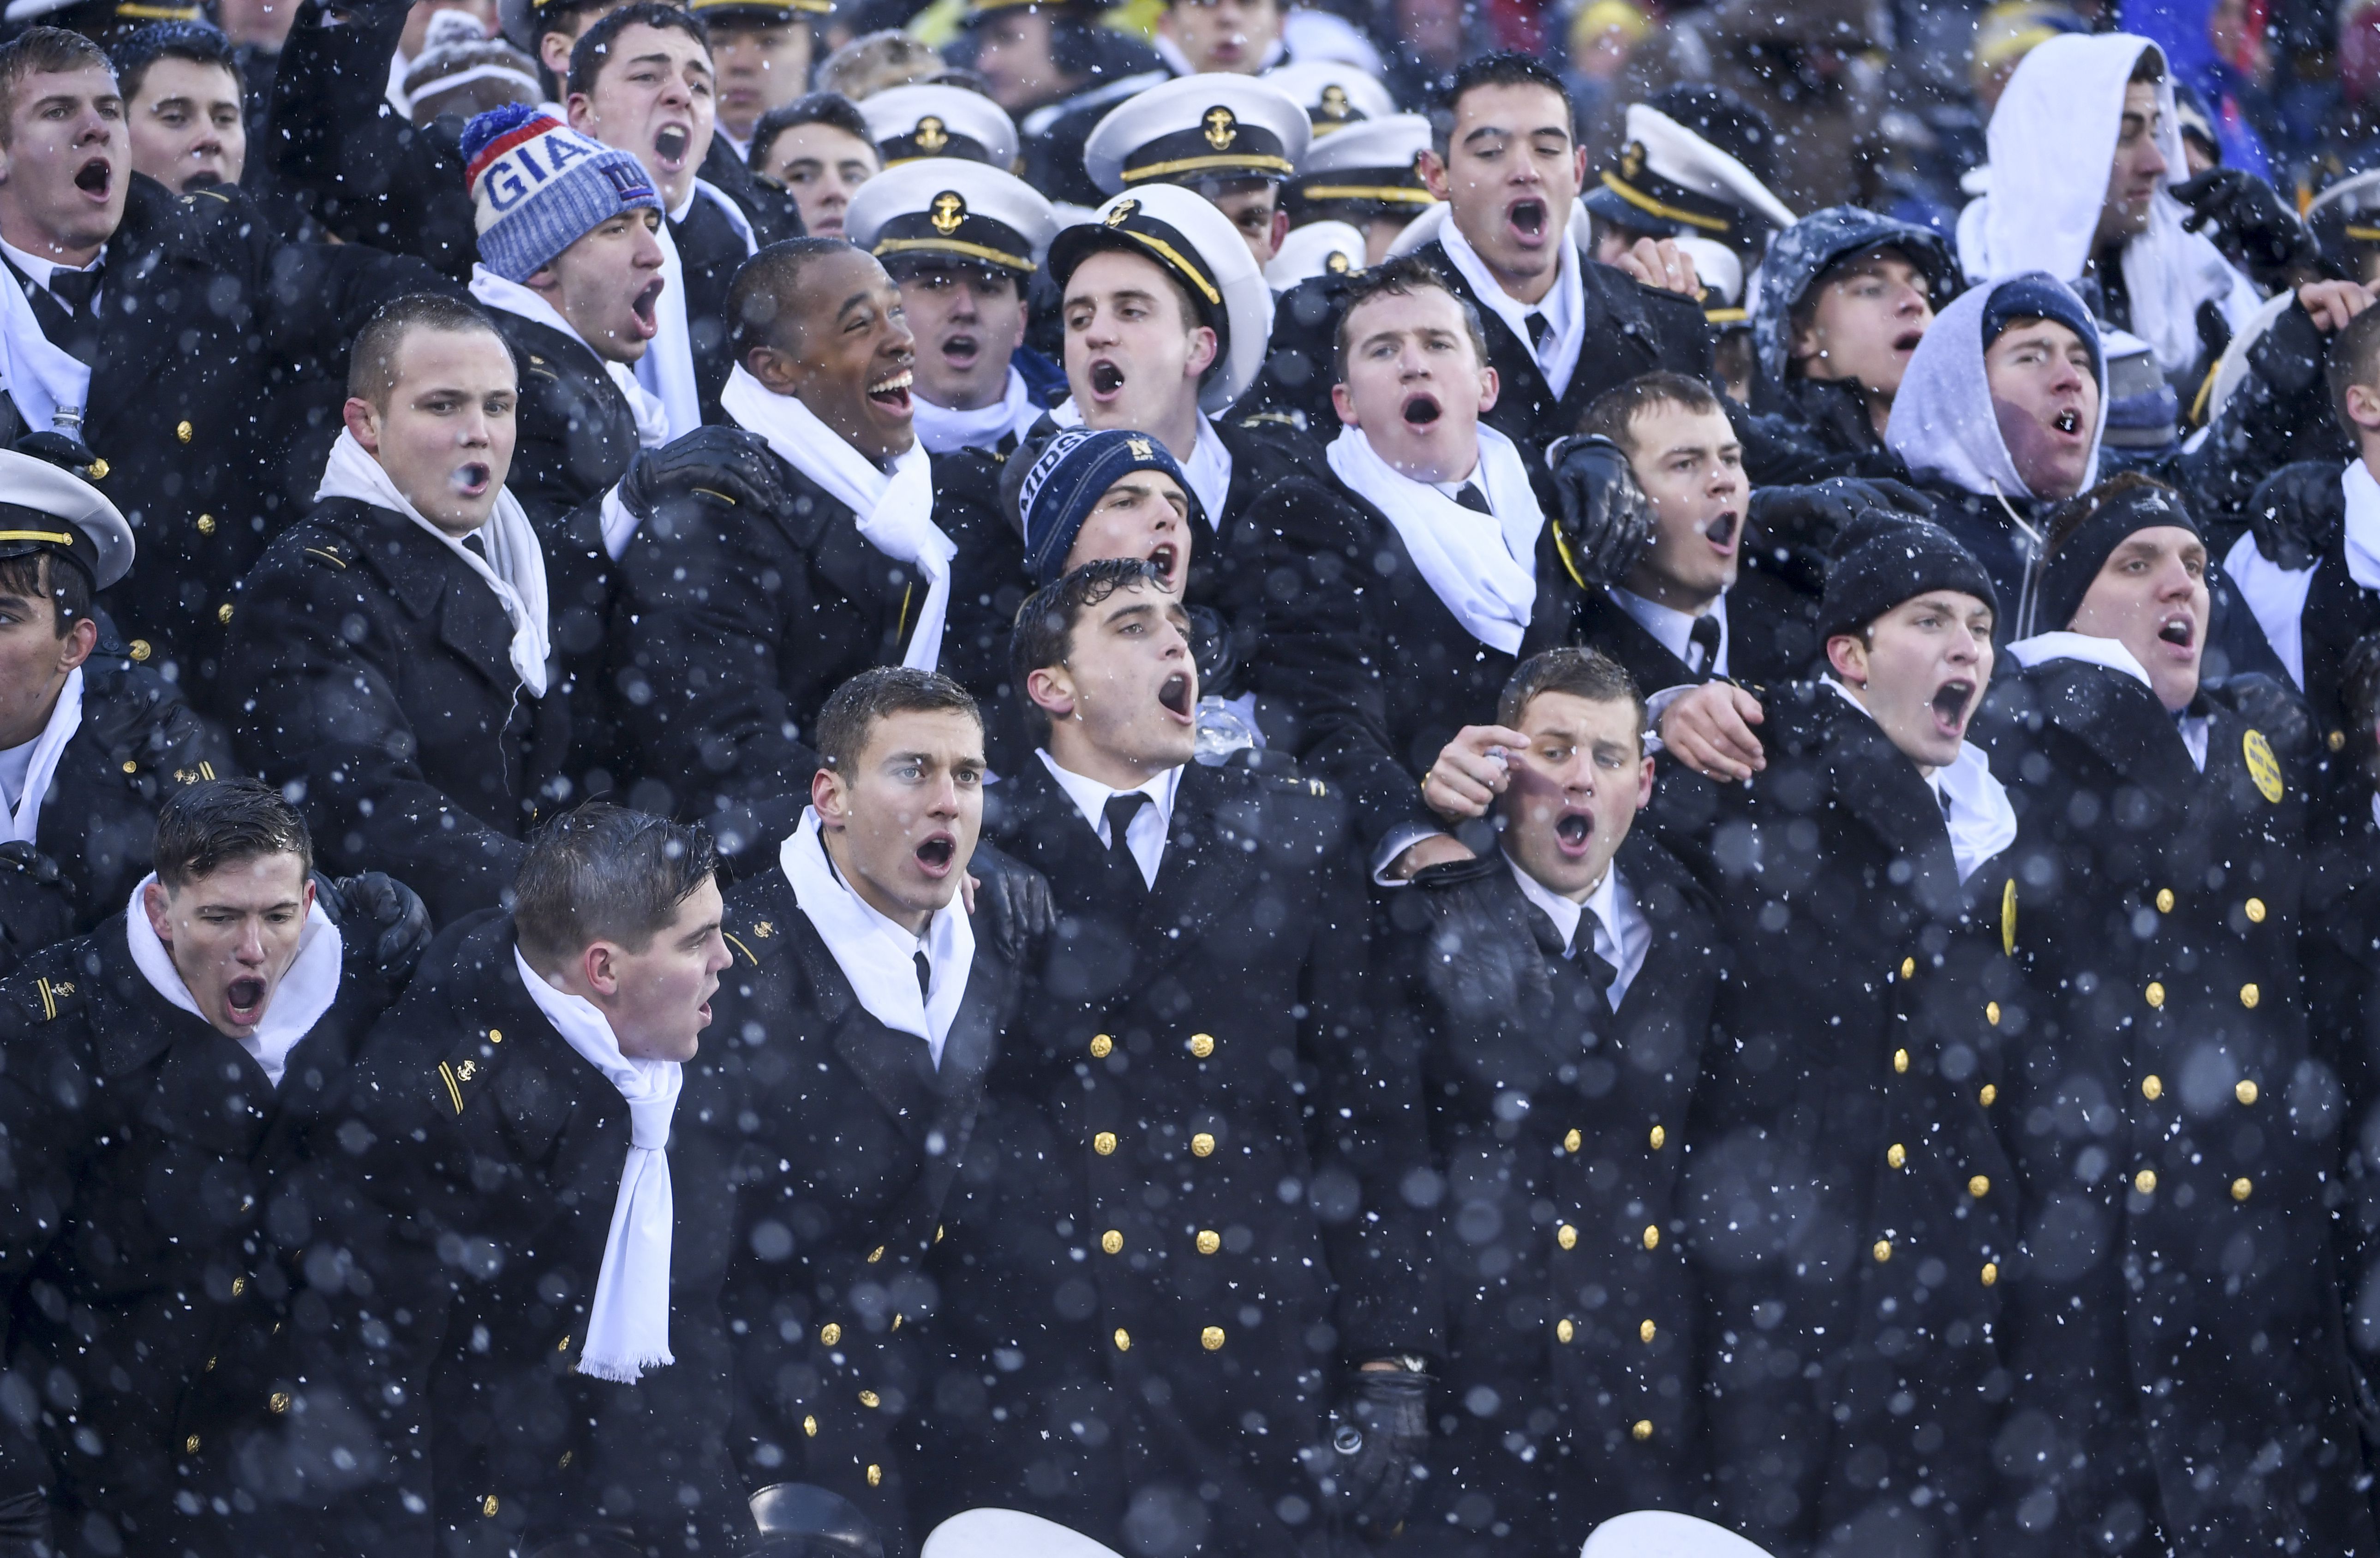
x=415 y=40
x=255 y=28
x=2215 y=48
x=464 y=73
x=1803 y=66
x=763 y=49
x=1432 y=37
x=1601 y=36
x=1036 y=56
x=2004 y=34
x=818 y=148
x=874 y=61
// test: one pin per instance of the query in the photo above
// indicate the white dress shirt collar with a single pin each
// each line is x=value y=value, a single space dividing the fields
x=1146 y=837
x=1621 y=931
x=1675 y=629
x=38 y=271
x=1564 y=305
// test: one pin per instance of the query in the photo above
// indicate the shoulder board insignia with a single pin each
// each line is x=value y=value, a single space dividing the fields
x=2263 y=766
x=1277 y=418
x=464 y=1070
x=761 y=931
x=1316 y=786
x=53 y=995
x=331 y=552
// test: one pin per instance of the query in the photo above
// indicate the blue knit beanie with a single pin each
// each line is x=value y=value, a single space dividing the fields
x=1071 y=474
x=538 y=187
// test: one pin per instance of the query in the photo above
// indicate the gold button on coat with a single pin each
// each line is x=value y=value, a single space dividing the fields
x=1642 y=1431
x=1564 y=1331
x=809 y=1427
x=1908 y=967
x=1979 y=1186
x=1660 y=1138
x=488 y=1506
x=1111 y=1242
x=190 y=1446
x=1647 y=1331
x=1992 y=1013
x=1991 y=1273
x=1202 y=1145
x=2255 y=907
x=222 y=612
x=867 y=1399
x=99 y=470
x=1567 y=1236
x=2242 y=1187
x=1988 y=1097
x=1896 y=1154
x=1101 y=1047
x=1122 y=1340
x=2245 y=1092
x=1652 y=1235
x=1211 y=1338
x=1202 y=1045
x=2165 y=900
x=1209 y=1241
x=131 y=766
x=1104 y=1143
x=1882 y=1250
x=2155 y=994
x=1899 y=1061
x=182 y=432
x=2152 y=1087
x=1570 y=1142
x=830 y=1333
x=279 y=1401
x=206 y=525
x=2145 y=1181
x=2249 y=995
x=875 y=1476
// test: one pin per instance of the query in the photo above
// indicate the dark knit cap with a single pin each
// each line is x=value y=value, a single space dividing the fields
x=1882 y=561
x=1064 y=482
x=2037 y=295
x=2112 y=512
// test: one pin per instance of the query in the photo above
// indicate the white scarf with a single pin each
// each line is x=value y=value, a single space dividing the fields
x=1980 y=821
x=1484 y=570
x=305 y=993
x=896 y=510
x=521 y=302
x=667 y=366
x=51 y=745
x=1208 y=468
x=2363 y=528
x=628 y=1325
x=944 y=432
x=41 y=377
x=513 y=567
x=1564 y=307
x=877 y=956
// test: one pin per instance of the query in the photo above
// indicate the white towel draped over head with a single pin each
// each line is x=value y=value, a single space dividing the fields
x=522 y=302
x=1484 y=568
x=627 y=1326
x=895 y=508
x=514 y=568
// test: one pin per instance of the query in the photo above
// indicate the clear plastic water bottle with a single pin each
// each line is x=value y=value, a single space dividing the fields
x=1222 y=729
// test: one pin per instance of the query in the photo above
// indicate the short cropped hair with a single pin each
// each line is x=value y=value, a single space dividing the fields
x=42 y=51
x=830 y=109
x=203 y=827
x=874 y=62
x=1583 y=673
x=763 y=287
x=2353 y=358
x=1505 y=68
x=197 y=42
x=605 y=873
x=593 y=50
x=1401 y=277
x=1044 y=631
x=1613 y=412
x=371 y=364
x=854 y=709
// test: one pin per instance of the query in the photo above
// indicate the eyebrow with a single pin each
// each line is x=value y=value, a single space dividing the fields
x=857 y=299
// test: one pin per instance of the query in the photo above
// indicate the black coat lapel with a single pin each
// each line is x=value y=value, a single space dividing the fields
x=2122 y=721
x=1882 y=789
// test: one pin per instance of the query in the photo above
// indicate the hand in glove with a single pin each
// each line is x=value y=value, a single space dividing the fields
x=1605 y=519
x=2297 y=512
x=1482 y=964
x=1014 y=900
x=2254 y=227
x=1376 y=1435
x=724 y=463
x=1814 y=516
x=379 y=906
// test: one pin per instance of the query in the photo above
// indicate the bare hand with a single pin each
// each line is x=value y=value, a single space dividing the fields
x=2331 y=304
x=1710 y=730
x=1659 y=262
x=967 y=886
x=1436 y=850
x=1465 y=780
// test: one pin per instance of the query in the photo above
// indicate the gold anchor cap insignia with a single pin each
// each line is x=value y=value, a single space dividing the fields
x=1334 y=102
x=1336 y=264
x=1632 y=161
x=932 y=137
x=950 y=210
x=1123 y=212
x=1221 y=128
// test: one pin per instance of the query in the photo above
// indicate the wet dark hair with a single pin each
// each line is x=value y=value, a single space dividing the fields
x=854 y=709
x=591 y=52
x=1044 y=633
x=1401 y=277
x=197 y=42
x=203 y=827
x=40 y=574
x=372 y=363
x=605 y=873
x=764 y=286
x=1613 y=412
x=1504 y=68
x=1583 y=673
x=832 y=109
x=42 y=51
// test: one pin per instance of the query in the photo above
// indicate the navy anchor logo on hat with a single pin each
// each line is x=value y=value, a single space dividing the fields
x=949 y=211
x=1221 y=128
x=1334 y=102
x=1123 y=212
x=932 y=137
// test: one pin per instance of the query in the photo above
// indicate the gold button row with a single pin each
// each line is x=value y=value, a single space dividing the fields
x=2153 y=1085
x=1201 y=1045
x=1208 y=1241
x=1564 y=1331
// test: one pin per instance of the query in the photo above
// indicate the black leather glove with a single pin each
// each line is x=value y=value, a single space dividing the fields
x=1013 y=902
x=726 y=465
x=2297 y=512
x=1815 y=516
x=1481 y=966
x=28 y=863
x=381 y=906
x=1605 y=519
x=2254 y=227
x=1376 y=1435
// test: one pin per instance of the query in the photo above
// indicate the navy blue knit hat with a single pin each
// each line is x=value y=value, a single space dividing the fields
x=538 y=187
x=1069 y=476
x=2037 y=295
x=1881 y=561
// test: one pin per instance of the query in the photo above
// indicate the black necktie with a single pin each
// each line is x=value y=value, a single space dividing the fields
x=1470 y=497
x=1944 y=796
x=1703 y=635
x=1588 y=961
x=478 y=547
x=76 y=289
x=925 y=978
x=1541 y=330
x=1121 y=809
